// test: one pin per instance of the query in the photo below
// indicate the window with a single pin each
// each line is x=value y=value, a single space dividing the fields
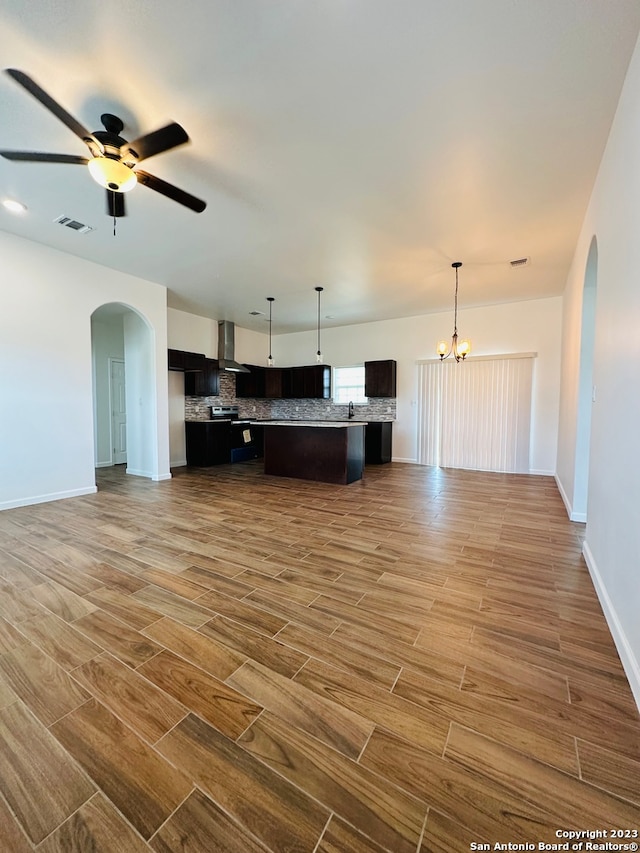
x=348 y=385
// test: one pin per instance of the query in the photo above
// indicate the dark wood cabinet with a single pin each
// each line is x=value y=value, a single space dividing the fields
x=285 y=383
x=317 y=381
x=208 y=442
x=205 y=382
x=377 y=442
x=250 y=384
x=326 y=454
x=295 y=390
x=380 y=378
x=185 y=361
x=273 y=383
x=176 y=359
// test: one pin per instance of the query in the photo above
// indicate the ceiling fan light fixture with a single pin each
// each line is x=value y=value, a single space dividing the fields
x=112 y=174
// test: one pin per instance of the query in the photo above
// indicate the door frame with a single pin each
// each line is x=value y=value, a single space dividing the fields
x=111 y=361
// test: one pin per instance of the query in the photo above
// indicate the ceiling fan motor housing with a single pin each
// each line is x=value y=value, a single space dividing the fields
x=117 y=175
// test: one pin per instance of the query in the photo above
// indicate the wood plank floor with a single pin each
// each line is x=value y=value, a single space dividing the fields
x=229 y=663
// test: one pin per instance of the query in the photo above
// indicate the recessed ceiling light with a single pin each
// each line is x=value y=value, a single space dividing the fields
x=14 y=206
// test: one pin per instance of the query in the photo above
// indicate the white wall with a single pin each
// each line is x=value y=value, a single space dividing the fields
x=107 y=338
x=46 y=401
x=532 y=326
x=140 y=403
x=612 y=544
x=200 y=334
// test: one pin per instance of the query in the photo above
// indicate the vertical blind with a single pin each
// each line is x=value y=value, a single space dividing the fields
x=477 y=414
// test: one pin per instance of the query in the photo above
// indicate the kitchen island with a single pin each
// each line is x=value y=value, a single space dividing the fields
x=327 y=451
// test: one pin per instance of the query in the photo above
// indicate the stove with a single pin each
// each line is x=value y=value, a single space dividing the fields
x=224 y=413
x=243 y=439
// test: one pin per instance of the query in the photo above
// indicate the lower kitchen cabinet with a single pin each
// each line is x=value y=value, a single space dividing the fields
x=208 y=442
x=377 y=442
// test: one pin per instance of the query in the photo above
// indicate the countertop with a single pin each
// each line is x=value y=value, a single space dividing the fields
x=329 y=424
x=290 y=422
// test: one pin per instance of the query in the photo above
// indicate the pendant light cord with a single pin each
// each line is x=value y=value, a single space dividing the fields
x=319 y=291
x=455 y=307
x=270 y=300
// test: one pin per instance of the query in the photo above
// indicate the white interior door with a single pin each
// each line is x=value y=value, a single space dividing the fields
x=118 y=412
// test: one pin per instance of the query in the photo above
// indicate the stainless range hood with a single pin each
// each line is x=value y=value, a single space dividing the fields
x=226 y=348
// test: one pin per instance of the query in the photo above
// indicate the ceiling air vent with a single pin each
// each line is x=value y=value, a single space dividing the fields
x=256 y=313
x=520 y=262
x=68 y=222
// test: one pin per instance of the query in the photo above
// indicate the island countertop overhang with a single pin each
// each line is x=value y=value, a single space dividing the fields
x=301 y=423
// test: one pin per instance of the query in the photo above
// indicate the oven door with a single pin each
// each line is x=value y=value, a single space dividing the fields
x=243 y=442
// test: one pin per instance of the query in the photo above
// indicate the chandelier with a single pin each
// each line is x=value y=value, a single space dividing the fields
x=459 y=350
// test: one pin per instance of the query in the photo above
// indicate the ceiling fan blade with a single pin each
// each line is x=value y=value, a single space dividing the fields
x=170 y=191
x=47 y=101
x=42 y=157
x=156 y=142
x=115 y=204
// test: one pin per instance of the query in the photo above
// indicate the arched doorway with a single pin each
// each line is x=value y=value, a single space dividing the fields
x=125 y=428
x=586 y=390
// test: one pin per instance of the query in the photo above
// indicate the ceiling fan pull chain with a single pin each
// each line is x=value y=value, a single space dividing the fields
x=114 y=213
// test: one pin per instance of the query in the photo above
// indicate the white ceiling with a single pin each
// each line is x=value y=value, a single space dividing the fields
x=360 y=145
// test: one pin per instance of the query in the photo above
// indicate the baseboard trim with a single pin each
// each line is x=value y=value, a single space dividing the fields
x=628 y=658
x=137 y=472
x=402 y=459
x=159 y=477
x=179 y=463
x=53 y=496
x=573 y=516
x=538 y=472
x=104 y=464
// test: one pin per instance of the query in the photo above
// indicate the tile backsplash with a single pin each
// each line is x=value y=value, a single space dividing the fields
x=198 y=408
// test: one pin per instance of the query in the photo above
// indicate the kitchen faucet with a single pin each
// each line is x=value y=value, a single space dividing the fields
x=351 y=412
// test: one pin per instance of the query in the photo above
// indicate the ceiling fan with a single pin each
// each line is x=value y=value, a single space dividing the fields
x=113 y=161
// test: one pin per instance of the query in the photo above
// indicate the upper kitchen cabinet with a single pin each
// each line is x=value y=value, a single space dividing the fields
x=203 y=383
x=273 y=383
x=185 y=361
x=293 y=383
x=251 y=384
x=380 y=378
x=317 y=381
x=285 y=383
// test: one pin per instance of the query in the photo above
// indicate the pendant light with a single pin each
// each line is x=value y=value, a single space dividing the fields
x=319 y=352
x=457 y=350
x=270 y=300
